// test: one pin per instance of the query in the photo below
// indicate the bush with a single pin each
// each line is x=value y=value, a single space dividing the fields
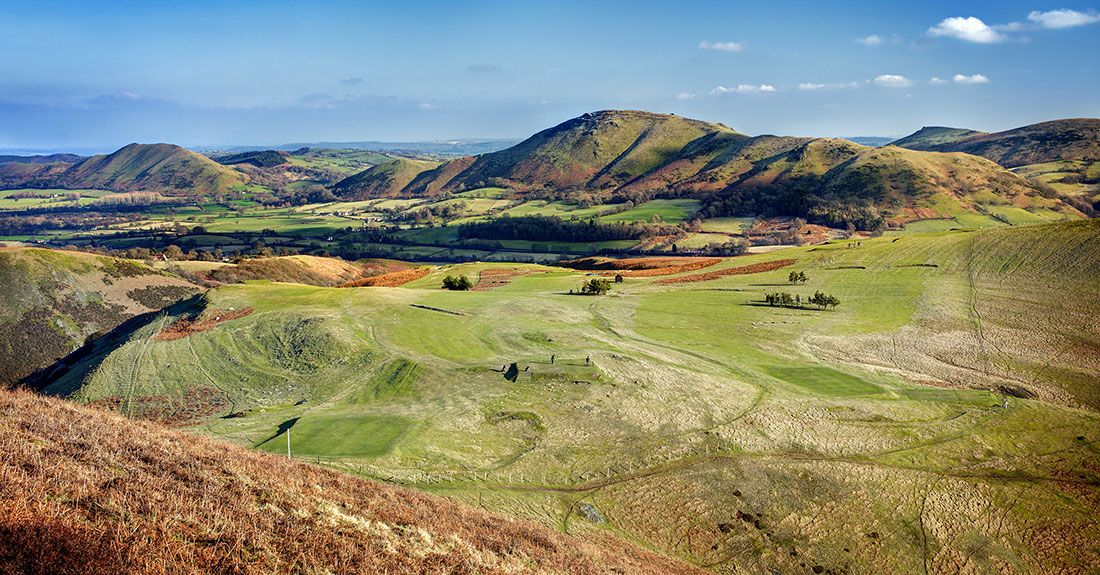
x=824 y=300
x=457 y=283
x=596 y=286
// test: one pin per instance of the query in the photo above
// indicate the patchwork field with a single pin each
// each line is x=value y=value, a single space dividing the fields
x=942 y=418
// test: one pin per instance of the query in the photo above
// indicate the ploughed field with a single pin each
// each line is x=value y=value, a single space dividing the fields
x=942 y=418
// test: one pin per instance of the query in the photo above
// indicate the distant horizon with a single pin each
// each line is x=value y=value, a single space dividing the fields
x=92 y=75
x=93 y=150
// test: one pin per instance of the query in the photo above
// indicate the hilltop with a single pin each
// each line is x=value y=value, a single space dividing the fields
x=163 y=168
x=385 y=179
x=934 y=138
x=1056 y=140
x=86 y=491
x=260 y=158
x=640 y=155
x=596 y=151
x=53 y=302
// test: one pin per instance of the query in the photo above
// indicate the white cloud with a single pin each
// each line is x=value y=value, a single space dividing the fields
x=937 y=81
x=743 y=89
x=970 y=29
x=685 y=96
x=722 y=46
x=971 y=79
x=893 y=81
x=425 y=106
x=833 y=86
x=872 y=40
x=1062 y=18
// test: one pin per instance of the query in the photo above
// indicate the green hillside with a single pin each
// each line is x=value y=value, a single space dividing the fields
x=382 y=180
x=949 y=395
x=935 y=138
x=835 y=181
x=640 y=155
x=164 y=168
x=599 y=150
x=1057 y=140
x=260 y=159
x=52 y=302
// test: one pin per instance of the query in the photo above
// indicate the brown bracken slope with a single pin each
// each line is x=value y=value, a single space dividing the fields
x=87 y=491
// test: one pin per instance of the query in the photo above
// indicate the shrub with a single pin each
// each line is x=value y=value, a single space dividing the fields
x=457 y=283
x=596 y=286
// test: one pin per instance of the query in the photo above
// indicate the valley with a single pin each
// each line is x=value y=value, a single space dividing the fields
x=739 y=353
x=880 y=435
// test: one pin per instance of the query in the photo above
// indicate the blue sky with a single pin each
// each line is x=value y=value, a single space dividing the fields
x=101 y=74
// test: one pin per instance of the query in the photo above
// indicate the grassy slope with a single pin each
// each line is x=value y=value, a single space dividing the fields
x=142 y=499
x=756 y=431
x=934 y=138
x=386 y=179
x=904 y=184
x=1057 y=140
x=601 y=150
x=52 y=301
x=153 y=167
x=308 y=270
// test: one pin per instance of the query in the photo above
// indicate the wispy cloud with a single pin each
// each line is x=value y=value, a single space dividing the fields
x=352 y=81
x=483 y=68
x=722 y=46
x=872 y=40
x=810 y=86
x=969 y=29
x=892 y=81
x=971 y=79
x=1063 y=18
x=743 y=89
x=937 y=81
x=685 y=96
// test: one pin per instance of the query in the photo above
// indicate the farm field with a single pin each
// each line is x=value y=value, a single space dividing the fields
x=949 y=395
x=671 y=211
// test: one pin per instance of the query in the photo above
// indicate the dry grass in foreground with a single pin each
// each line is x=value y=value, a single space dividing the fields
x=737 y=271
x=392 y=279
x=87 y=491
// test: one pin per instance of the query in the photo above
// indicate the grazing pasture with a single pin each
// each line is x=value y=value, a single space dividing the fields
x=951 y=393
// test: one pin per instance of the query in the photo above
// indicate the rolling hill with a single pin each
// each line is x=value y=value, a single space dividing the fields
x=385 y=179
x=86 y=491
x=596 y=151
x=41 y=159
x=943 y=415
x=934 y=138
x=53 y=302
x=1057 y=140
x=260 y=159
x=163 y=168
x=641 y=155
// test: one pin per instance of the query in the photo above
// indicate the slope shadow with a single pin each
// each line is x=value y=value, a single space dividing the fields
x=80 y=363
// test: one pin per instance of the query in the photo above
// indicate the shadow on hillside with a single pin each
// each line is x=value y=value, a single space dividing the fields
x=283 y=428
x=81 y=363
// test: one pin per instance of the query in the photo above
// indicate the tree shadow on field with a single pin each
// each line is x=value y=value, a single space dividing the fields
x=283 y=428
x=75 y=367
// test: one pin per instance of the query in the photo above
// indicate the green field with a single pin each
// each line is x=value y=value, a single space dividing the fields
x=670 y=211
x=685 y=407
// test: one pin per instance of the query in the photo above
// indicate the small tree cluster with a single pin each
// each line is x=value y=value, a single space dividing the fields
x=797 y=277
x=824 y=300
x=457 y=283
x=596 y=286
x=783 y=299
